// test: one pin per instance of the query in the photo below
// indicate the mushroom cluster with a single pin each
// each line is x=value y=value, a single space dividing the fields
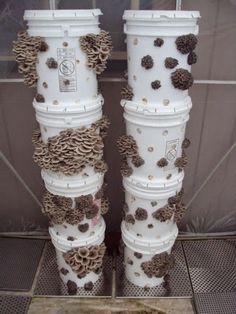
x=104 y=206
x=100 y=193
x=98 y=49
x=163 y=214
x=175 y=208
x=26 y=50
x=186 y=143
x=84 y=260
x=158 y=42
x=128 y=148
x=125 y=169
x=70 y=151
x=159 y=265
x=156 y=84
x=127 y=92
x=130 y=219
x=56 y=207
x=147 y=62
x=171 y=63
x=182 y=161
x=186 y=43
x=163 y=162
x=141 y=214
x=59 y=209
x=182 y=79
x=102 y=124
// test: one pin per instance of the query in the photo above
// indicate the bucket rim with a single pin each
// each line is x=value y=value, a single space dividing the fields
x=70 y=184
x=175 y=108
x=150 y=246
x=64 y=245
x=160 y=15
x=64 y=108
x=34 y=15
x=157 y=186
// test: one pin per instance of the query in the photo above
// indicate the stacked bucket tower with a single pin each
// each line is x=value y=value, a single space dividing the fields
x=160 y=52
x=61 y=54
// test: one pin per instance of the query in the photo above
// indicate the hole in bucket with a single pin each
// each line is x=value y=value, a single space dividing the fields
x=154 y=203
x=165 y=133
x=139 y=130
x=133 y=199
x=135 y=42
x=166 y=102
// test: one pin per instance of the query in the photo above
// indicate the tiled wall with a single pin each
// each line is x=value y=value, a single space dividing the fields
x=212 y=127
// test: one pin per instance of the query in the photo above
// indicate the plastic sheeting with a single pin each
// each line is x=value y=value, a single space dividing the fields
x=210 y=182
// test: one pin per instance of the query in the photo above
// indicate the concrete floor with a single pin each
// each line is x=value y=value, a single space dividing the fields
x=107 y=306
x=205 y=272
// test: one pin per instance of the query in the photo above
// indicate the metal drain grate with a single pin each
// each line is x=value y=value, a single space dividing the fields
x=213 y=254
x=179 y=280
x=49 y=282
x=215 y=303
x=18 y=263
x=10 y=304
x=212 y=265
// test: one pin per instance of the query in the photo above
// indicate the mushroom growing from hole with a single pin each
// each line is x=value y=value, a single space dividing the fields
x=147 y=62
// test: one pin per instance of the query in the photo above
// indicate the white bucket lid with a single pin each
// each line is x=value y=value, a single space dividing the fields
x=64 y=245
x=173 y=108
x=70 y=116
x=148 y=246
x=160 y=23
x=64 y=108
x=158 y=117
x=152 y=191
x=42 y=15
x=158 y=15
x=71 y=186
x=159 y=189
x=60 y=23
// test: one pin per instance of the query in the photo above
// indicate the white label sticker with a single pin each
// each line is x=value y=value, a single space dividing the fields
x=171 y=150
x=67 y=69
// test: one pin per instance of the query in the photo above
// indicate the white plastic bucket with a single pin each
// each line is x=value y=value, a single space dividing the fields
x=76 y=231
x=54 y=119
x=147 y=249
x=151 y=199
x=61 y=245
x=61 y=30
x=68 y=231
x=142 y=28
x=71 y=186
x=158 y=134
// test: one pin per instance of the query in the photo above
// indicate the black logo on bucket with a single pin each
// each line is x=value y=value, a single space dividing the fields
x=171 y=150
x=67 y=69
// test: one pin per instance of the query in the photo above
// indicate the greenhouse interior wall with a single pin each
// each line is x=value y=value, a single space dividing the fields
x=210 y=176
